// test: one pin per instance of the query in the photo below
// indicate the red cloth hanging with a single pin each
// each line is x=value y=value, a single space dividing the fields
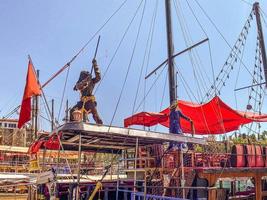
x=214 y=117
x=32 y=88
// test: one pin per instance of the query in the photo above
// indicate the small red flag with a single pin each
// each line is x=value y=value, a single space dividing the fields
x=32 y=88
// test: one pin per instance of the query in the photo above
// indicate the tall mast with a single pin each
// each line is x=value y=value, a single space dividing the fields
x=171 y=70
x=256 y=8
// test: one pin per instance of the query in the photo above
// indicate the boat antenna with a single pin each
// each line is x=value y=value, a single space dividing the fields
x=170 y=46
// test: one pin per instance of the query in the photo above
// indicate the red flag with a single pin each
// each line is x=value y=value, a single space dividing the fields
x=32 y=88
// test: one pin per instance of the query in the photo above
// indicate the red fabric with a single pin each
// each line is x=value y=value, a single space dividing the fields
x=214 y=117
x=35 y=147
x=32 y=87
x=52 y=143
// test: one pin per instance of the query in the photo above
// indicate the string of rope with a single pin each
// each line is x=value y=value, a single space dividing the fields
x=186 y=85
x=144 y=58
x=85 y=45
x=117 y=49
x=131 y=59
x=228 y=66
x=186 y=41
x=126 y=76
x=163 y=96
x=149 y=52
x=263 y=15
x=194 y=52
x=238 y=72
x=222 y=36
x=128 y=69
x=194 y=59
x=210 y=54
x=149 y=90
x=248 y=3
x=8 y=115
x=63 y=94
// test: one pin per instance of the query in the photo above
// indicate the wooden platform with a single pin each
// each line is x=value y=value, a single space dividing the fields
x=212 y=175
x=114 y=138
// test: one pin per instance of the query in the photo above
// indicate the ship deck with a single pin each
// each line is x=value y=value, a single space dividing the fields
x=109 y=138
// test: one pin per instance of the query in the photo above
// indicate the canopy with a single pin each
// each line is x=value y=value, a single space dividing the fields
x=51 y=143
x=214 y=117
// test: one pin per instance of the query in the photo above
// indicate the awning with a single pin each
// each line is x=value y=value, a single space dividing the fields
x=214 y=117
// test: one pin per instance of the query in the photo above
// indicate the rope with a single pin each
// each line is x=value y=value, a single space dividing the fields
x=210 y=54
x=143 y=62
x=150 y=89
x=248 y=3
x=193 y=54
x=63 y=93
x=222 y=36
x=128 y=69
x=131 y=59
x=86 y=44
x=149 y=51
x=117 y=49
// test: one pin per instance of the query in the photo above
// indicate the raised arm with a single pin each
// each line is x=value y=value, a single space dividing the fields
x=97 y=77
x=183 y=116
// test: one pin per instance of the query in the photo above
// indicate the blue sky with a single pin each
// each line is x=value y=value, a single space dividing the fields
x=53 y=31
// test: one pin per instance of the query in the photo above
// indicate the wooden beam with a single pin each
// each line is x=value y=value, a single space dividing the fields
x=74 y=138
x=111 y=131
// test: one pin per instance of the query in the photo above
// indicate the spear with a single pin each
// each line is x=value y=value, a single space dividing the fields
x=96 y=49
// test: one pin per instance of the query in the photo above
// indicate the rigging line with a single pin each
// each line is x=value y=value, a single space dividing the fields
x=193 y=53
x=47 y=114
x=117 y=48
x=212 y=68
x=192 y=11
x=67 y=65
x=248 y=3
x=150 y=88
x=131 y=59
x=162 y=98
x=186 y=38
x=143 y=62
x=210 y=54
x=11 y=112
x=217 y=29
x=116 y=155
x=183 y=81
x=238 y=72
x=63 y=93
x=263 y=17
x=185 y=84
x=149 y=51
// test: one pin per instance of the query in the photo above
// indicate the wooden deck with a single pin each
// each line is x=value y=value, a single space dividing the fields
x=109 y=138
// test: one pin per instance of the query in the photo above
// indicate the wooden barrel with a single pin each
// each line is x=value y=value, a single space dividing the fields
x=237 y=156
x=250 y=155
x=259 y=156
x=265 y=155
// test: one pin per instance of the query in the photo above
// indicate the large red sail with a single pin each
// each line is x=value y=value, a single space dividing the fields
x=214 y=117
x=32 y=88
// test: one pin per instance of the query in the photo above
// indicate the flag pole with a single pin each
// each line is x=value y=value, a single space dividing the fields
x=35 y=110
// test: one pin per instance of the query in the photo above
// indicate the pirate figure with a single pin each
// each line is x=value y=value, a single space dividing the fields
x=87 y=103
x=175 y=116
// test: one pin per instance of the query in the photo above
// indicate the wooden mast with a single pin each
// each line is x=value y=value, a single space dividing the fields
x=256 y=7
x=171 y=69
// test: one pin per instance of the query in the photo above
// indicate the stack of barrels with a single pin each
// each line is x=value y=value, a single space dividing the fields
x=248 y=156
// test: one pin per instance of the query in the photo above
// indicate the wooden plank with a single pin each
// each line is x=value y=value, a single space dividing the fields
x=73 y=139
x=111 y=131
